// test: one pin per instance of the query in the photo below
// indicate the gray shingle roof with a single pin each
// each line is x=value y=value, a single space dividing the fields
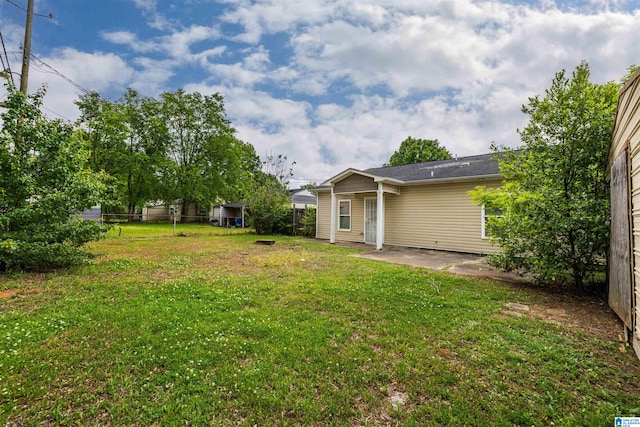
x=301 y=198
x=462 y=167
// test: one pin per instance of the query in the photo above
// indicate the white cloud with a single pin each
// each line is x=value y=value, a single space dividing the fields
x=92 y=71
x=253 y=68
x=147 y=5
x=155 y=19
x=129 y=39
x=362 y=76
x=176 y=44
x=170 y=52
x=152 y=75
x=277 y=15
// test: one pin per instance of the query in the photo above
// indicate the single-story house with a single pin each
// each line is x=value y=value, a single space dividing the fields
x=624 y=173
x=93 y=213
x=422 y=205
x=302 y=199
x=159 y=210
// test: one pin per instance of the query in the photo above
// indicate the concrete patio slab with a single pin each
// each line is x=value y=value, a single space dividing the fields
x=452 y=262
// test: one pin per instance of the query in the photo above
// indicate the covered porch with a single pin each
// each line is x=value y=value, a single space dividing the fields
x=352 y=191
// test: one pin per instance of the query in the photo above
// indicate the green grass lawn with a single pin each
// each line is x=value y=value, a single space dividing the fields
x=211 y=329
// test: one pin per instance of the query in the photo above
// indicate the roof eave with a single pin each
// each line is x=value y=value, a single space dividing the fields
x=321 y=188
x=348 y=172
x=455 y=179
x=387 y=180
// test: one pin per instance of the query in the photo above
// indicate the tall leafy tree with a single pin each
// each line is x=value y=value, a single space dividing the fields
x=146 y=146
x=268 y=202
x=127 y=139
x=414 y=150
x=207 y=161
x=554 y=202
x=43 y=182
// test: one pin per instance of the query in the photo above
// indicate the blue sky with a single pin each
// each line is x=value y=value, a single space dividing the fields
x=331 y=84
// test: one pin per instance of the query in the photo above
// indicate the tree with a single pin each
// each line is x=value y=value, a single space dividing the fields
x=414 y=150
x=268 y=204
x=308 y=222
x=207 y=161
x=43 y=182
x=128 y=141
x=554 y=202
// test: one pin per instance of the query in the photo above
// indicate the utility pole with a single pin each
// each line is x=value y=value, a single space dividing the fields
x=26 y=50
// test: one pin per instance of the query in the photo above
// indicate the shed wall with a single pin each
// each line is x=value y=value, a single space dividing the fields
x=627 y=134
x=631 y=133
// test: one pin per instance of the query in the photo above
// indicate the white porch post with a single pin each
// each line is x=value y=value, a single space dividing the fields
x=332 y=235
x=380 y=218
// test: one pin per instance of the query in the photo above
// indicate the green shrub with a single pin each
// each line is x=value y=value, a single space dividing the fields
x=308 y=221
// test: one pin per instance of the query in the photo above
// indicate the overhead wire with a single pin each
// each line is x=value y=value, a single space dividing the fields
x=57 y=114
x=58 y=73
x=53 y=70
x=49 y=16
x=8 y=66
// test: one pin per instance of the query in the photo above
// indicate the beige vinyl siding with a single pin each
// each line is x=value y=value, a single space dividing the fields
x=627 y=121
x=156 y=213
x=627 y=130
x=355 y=183
x=356 y=234
x=323 y=213
x=437 y=216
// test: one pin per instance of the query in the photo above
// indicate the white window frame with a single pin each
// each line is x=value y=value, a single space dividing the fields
x=344 y=215
x=483 y=220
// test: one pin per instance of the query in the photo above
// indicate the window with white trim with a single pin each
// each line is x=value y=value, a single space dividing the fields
x=486 y=214
x=344 y=215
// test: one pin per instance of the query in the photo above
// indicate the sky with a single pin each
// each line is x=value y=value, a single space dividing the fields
x=331 y=84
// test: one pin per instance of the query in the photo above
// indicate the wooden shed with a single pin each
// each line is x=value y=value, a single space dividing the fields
x=624 y=167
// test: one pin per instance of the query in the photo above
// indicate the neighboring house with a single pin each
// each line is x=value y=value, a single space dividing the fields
x=302 y=199
x=157 y=211
x=423 y=205
x=160 y=211
x=93 y=213
x=624 y=172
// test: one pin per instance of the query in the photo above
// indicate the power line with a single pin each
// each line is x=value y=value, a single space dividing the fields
x=49 y=16
x=58 y=73
x=8 y=67
x=57 y=114
x=26 y=49
x=4 y=67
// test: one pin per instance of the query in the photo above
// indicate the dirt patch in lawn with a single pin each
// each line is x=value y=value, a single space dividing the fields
x=586 y=313
x=8 y=293
x=590 y=314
